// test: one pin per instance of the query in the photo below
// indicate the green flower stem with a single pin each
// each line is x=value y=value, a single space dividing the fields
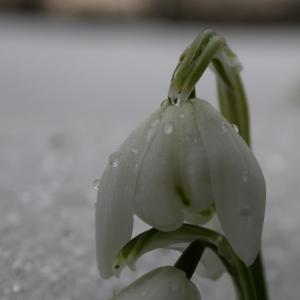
x=194 y=61
x=257 y=271
x=233 y=105
x=190 y=258
x=153 y=239
x=211 y=49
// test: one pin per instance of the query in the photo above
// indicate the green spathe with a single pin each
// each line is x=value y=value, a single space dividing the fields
x=182 y=158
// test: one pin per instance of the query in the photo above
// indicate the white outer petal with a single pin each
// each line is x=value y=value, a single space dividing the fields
x=211 y=266
x=160 y=284
x=114 y=212
x=193 y=176
x=237 y=181
x=156 y=201
x=191 y=291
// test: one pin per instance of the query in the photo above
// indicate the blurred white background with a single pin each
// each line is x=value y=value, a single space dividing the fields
x=71 y=91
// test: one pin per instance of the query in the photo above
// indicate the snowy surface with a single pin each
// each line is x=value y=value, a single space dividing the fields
x=71 y=92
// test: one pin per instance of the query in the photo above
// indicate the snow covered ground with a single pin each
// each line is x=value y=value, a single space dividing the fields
x=71 y=92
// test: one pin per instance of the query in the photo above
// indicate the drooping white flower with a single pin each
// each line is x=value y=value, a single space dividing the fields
x=160 y=284
x=182 y=158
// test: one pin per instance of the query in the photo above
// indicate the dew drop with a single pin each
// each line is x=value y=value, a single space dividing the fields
x=195 y=140
x=187 y=137
x=125 y=295
x=96 y=184
x=168 y=127
x=235 y=128
x=135 y=150
x=224 y=126
x=175 y=101
x=115 y=159
x=133 y=138
x=181 y=115
x=164 y=103
x=174 y=287
x=152 y=124
x=245 y=176
x=144 y=293
x=137 y=165
x=245 y=211
x=116 y=292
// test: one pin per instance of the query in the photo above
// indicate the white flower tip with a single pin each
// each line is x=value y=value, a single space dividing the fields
x=131 y=266
x=116 y=271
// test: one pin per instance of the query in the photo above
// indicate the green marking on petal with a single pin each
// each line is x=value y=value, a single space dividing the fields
x=207 y=212
x=184 y=199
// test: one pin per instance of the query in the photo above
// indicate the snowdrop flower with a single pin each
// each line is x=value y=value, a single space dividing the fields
x=160 y=284
x=182 y=159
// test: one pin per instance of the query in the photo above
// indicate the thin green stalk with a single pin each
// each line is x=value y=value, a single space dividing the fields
x=258 y=275
x=189 y=259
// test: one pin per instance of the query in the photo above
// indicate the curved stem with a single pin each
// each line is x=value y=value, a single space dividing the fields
x=153 y=239
x=258 y=275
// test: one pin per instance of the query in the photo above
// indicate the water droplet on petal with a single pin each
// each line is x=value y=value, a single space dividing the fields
x=154 y=122
x=224 y=126
x=245 y=176
x=115 y=159
x=96 y=184
x=168 y=127
x=181 y=115
x=175 y=101
x=135 y=150
x=133 y=138
x=164 y=103
x=235 y=128
x=116 y=292
x=174 y=287
x=152 y=128
x=245 y=211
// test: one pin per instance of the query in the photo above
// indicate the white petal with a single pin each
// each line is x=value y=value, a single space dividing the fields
x=191 y=291
x=114 y=221
x=211 y=266
x=193 y=178
x=114 y=212
x=237 y=181
x=156 y=200
x=160 y=284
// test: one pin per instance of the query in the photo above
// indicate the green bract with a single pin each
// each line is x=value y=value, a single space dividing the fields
x=161 y=284
x=182 y=158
